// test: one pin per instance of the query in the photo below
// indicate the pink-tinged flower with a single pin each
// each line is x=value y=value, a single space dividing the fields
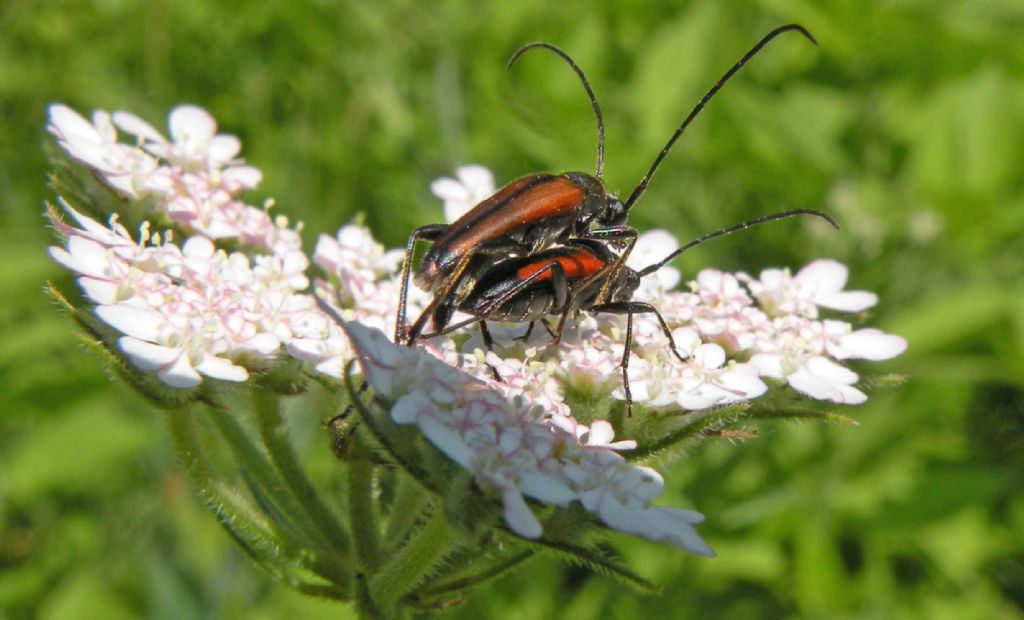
x=724 y=313
x=868 y=343
x=195 y=144
x=591 y=366
x=514 y=448
x=193 y=178
x=706 y=379
x=355 y=259
x=621 y=495
x=819 y=284
x=797 y=350
x=813 y=375
x=189 y=311
x=471 y=186
x=318 y=340
x=94 y=144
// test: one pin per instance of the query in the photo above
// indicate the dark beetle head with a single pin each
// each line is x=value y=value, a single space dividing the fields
x=614 y=212
x=599 y=207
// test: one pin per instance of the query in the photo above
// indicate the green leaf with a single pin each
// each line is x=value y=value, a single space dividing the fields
x=594 y=560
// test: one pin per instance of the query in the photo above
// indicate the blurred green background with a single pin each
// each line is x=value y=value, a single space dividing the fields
x=906 y=124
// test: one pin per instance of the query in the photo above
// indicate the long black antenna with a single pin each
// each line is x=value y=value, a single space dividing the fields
x=642 y=186
x=738 y=227
x=586 y=87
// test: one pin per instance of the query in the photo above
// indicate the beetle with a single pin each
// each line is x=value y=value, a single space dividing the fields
x=566 y=279
x=535 y=212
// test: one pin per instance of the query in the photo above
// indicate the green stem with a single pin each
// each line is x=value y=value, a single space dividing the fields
x=295 y=525
x=366 y=607
x=275 y=438
x=794 y=413
x=701 y=421
x=409 y=499
x=414 y=562
x=362 y=516
x=241 y=521
x=480 y=577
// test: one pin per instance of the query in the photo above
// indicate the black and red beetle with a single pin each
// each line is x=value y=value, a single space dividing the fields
x=569 y=278
x=536 y=212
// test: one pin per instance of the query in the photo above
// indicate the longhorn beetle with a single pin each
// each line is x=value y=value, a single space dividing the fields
x=535 y=212
x=563 y=280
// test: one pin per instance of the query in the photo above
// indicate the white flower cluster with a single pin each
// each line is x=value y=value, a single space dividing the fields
x=518 y=448
x=193 y=179
x=185 y=311
x=194 y=310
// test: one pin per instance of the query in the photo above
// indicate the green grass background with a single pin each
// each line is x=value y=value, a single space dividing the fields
x=906 y=124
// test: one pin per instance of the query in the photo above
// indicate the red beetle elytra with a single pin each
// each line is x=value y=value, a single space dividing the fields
x=535 y=212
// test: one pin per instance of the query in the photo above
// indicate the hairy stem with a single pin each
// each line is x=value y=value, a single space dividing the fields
x=275 y=438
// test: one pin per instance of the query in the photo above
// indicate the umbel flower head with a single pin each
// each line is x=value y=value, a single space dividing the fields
x=222 y=294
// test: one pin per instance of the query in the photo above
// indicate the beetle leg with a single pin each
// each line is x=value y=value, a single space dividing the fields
x=429 y=232
x=489 y=343
x=640 y=307
x=626 y=234
x=629 y=308
x=447 y=287
x=625 y=364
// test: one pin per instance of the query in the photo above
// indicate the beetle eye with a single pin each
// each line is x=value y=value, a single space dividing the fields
x=615 y=212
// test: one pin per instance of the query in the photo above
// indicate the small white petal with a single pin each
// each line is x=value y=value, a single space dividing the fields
x=546 y=488
x=446 y=440
x=847 y=301
x=263 y=343
x=180 y=374
x=478 y=179
x=871 y=344
x=100 y=291
x=518 y=515
x=220 y=368
x=148 y=356
x=88 y=224
x=768 y=364
x=831 y=371
x=675 y=525
x=744 y=385
x=823 y=276
x=140 y=323
x=651 y=247
x=198 y=247
x=823 y=379
x=710 y=355
x=601 y=432
x=449 y=189
x=129 y=123
x=91 y=258
x=243 y=177
x=408 y=408
x=191 y=123
x=65 y=122
x=224 y=147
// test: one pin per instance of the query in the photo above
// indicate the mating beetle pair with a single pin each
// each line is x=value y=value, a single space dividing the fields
x=543 y=244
